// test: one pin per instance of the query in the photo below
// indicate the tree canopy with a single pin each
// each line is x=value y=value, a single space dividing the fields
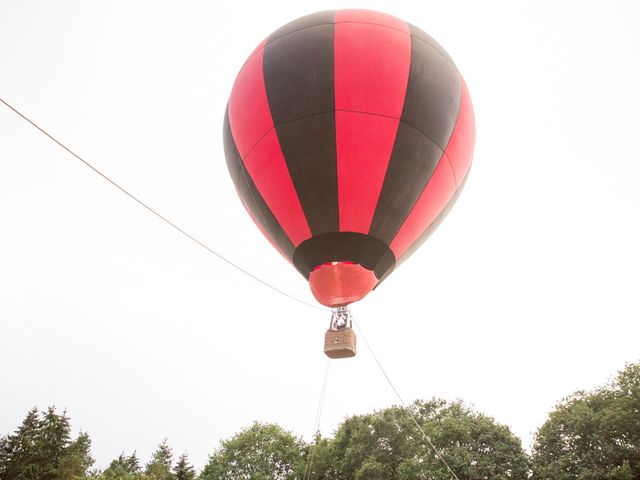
x=160 y=465
x=388 y=444
x=260 y=452
x=123 y=468
x=183 y=469
x=42 y=449
x=593 y=435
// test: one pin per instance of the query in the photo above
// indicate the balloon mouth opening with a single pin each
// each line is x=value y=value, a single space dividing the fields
x=336 y=284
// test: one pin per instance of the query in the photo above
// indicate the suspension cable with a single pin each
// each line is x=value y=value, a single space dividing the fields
x=437 y=453
x=308 y=468
x=154 y=212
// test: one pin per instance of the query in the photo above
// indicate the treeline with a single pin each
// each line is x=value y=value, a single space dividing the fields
x=589 y=435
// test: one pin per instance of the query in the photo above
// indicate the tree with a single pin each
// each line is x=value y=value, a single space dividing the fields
x=593 y=435
x=41 y=449
x=159 y=468
x=183 y=469
x=123 y=468
x=318 y=460
x=77 y=460
x=261 y=452
x=388 y=444
x=18 y=456
x=54 y=436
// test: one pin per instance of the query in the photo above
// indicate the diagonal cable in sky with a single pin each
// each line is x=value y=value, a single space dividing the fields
x=153 y=211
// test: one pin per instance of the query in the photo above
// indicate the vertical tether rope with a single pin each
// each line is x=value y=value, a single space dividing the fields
x=316 y=425
x=439 y=455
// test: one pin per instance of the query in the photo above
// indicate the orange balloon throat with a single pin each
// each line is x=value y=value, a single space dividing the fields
x=337 y=284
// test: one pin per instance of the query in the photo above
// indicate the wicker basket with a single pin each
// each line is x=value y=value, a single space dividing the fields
x=340 y=343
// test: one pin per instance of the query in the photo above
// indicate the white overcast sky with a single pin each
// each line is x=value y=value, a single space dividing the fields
x=528 y=291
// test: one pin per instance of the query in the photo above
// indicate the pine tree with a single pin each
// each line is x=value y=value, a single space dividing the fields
x=17 y=450
x=123 y=465
x=54 y=437
x=123 y=468
x=183 y=469
x=76 y=460
x=41 y=449
x=159 y=468
x=132 y=464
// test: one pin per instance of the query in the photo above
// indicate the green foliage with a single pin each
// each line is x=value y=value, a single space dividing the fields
x=589 y=436
x=261 y=452
x=183 y=469
x=388 y=444
x=123 y=468
x=593 y=435
x=473 y=444
x=41 y=449
x=159 y=468
x=18 y=453
x=76 y=461
x=318 y=460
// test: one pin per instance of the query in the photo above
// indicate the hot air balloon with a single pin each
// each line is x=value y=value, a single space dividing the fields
x=348 y=135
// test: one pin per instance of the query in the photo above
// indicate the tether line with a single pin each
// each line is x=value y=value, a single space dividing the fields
x=153 y=211
x=438 y=454
x=316 y=426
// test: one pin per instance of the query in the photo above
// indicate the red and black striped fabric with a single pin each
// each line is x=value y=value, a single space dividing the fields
x=348 y=135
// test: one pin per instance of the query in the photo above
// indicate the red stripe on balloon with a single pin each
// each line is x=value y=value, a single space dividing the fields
x=434 y=198
x=371 y=62
x=269 y=172
x=364 y=143
x=447 y=177
x=460 y=147
x=249 y=113
x=255 y=137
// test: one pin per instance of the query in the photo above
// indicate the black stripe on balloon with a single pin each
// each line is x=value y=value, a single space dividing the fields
x=299 y=81
x=433 y=93
x=428 y=39
x=353 y=247
x=434 y=225
x=413 y=159
x=313 y=20
x=250 y=195
x=428 y=117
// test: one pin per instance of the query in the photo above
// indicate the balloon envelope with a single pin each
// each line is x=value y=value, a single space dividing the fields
x=348 y=135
